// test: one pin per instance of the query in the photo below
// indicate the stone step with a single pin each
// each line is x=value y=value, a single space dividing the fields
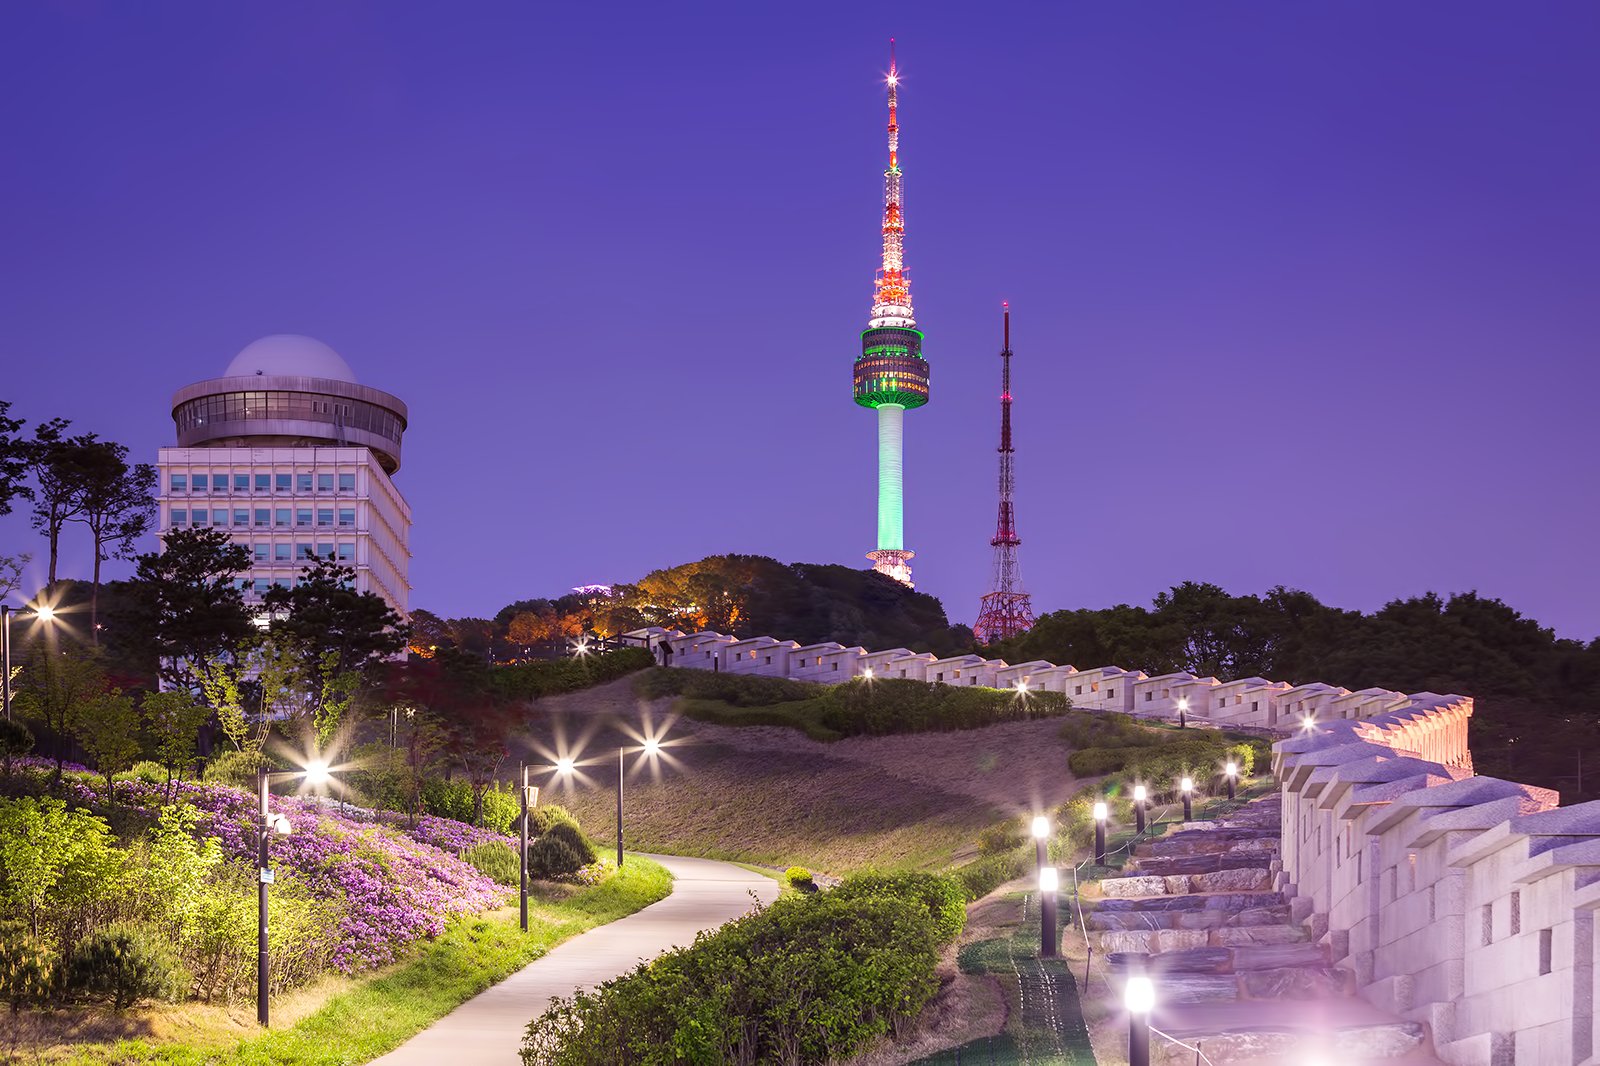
x=1155 y=941
x=1144 y=886
x=1359 y=1045
x=1129 y=920
x=1215 y=901
x=1206 y=844
x=1204 y=863
x=1215 y=959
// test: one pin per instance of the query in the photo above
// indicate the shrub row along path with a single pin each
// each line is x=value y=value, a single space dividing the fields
x=487 y=1029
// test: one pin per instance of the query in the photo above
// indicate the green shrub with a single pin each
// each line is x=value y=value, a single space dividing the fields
x=896 y=705
x=574 y=838
x=800 y=878
x=540 y=819
x=501 y=808
x=988 y=872
x=811 y=979
x=15 y=740
x=27 y=968
x=736 y=690
x=236 y=768
x=552 y=857
x=123 y=965
x=151 y=773
x=942 y=896
x=1000 y=839
x=447 y=799
x=495 y=860
x=527 y=681
x=59 y=870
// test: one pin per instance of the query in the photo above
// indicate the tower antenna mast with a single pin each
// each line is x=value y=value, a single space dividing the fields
x=1006 y=610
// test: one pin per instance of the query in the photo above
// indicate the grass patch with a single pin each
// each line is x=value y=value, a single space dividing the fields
x=804 y=715
x=356 y=1020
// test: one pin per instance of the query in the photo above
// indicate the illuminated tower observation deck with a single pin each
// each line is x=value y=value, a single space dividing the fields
x=891 y=376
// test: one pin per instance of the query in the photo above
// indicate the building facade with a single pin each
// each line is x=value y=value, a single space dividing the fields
x=293 y=459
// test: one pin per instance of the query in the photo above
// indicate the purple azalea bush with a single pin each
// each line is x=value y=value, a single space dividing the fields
x=391 y=888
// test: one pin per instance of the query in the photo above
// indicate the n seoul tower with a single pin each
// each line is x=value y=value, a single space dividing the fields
x=891 y=376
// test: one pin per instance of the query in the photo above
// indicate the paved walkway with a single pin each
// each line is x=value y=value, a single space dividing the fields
x=487 y=1029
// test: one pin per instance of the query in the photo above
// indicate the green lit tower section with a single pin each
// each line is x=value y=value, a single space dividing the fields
x=891 y=377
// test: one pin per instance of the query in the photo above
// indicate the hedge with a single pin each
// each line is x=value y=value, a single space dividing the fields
x=530 y=681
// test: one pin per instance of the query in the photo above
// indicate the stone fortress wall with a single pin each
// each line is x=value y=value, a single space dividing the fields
x=1463 y=902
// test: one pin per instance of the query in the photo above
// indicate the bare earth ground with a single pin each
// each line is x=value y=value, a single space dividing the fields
x=772 y=795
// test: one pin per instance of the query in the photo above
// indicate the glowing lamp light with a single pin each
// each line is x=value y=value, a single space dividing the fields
x=564 y=766
x=867 y=673
x=1187 y=784
x=1308 y=723
x=652 y=746
x=1139 y=794
x=1049 y=880
x=1139 y=996
x=1232 y=769
x=1183 y=703
x=1100 y=812
x=45 y=613
x=280 y=825
x=893 y=80
x=316 y=772
x=1041 y=827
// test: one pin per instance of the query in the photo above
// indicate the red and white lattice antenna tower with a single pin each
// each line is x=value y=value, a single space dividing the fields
x=1006 y=610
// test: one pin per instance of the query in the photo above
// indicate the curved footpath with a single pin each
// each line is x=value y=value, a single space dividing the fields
x=487 y=1029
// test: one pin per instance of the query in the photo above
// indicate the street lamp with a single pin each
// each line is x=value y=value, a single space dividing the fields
x=1139 y=995
x=42 y=613
x=1183 y=712
x=651 y=747
x=1230 y=771
x=1100 y=813
x=1139 y=797
x=315 y=773
x=1187 y=787
x=1308 y=723
x=1049 y=882
x=867 y=673
x=529 y=800
x=1041 y=837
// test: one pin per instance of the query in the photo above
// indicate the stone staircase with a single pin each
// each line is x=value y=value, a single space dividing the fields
x=1236 y=971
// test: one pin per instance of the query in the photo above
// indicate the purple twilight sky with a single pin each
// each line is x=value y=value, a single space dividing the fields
x=1303 y=293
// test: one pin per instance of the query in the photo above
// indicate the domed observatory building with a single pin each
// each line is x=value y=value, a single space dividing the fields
x=293 y=458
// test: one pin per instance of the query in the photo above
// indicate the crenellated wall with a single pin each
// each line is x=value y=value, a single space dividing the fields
x=1251 y=702
x=1464 y=902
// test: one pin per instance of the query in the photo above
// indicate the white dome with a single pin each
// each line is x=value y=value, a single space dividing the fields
x=290 y=354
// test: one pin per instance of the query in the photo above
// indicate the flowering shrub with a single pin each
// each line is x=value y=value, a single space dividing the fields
x=391 y=889
x=594 y=873
x=446 y=834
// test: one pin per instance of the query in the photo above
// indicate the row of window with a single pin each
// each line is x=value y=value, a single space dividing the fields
x=302 y=551
x=243 y=483
x=263 y=517
x=298 y=406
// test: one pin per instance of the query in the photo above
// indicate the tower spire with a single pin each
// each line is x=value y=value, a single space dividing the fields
x=891 y=376
x=1006 y=610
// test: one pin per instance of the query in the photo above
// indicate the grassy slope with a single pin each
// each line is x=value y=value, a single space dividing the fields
x=356 y=1020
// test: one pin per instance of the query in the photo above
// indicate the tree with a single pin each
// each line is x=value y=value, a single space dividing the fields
x=429 y=633
x=173 y=720
x=15 y=740
x=54 y=684
x=116 y=502
x=107 y=728
x=13 y=460
x=11 y=568
x=458 y=712
x=184 y=604
x=60 y=467
x=336 y=633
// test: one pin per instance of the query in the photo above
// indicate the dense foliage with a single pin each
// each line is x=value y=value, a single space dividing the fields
x=811 y=979
x=1538 y=697
x=855 y=708
x=531 y=680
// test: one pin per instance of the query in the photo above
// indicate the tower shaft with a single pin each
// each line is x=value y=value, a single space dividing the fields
x=1006 y=610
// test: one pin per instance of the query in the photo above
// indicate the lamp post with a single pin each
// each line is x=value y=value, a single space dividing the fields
x=272 y=825
x=1230 y=771
x=1187 y=788
x=1183 y=712
x=43 y=614
x=530 y=800
x=1049 y=882
x=650 y=748
x=1100 y=813
x=1139 y=797
x=1139 y=996
x=1041 y=837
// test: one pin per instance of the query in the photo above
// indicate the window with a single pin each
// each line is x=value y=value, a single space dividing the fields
x=262 y=551
x=263 y=482
x=902 y=673
x=347 y=554
x=325 y=517
x=1255 y=705
x=324 y=482
x=836 y=666
x=219 y=484
x=241 y=517
x=324 y=549
x=200 y=482
x=219 y=517
x=180 y=516
x=1432 y=904
x=1488 y=923
x=940 y=677
x=1149 y=695
x=347 y=483
x=1516 y=913
x=1411 y=858
x=769 y=663
x=1078 y=691
x=304 y=551
x=1546 y=950
x=1094 y=686
x=302 y=516
x=347 y=517
x=263 y=516
x=241 y=483
x=281 y=517
x=302 y=482
x=179 y=482
x=1111 y=693
x=1358 y=867
x=280 y=482
x=280 y=553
